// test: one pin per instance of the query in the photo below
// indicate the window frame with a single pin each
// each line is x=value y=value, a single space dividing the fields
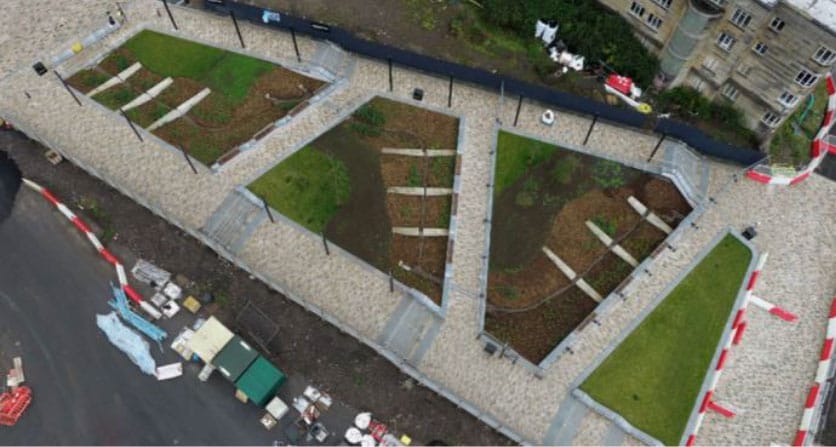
x=664 y=4
x=769 y=123
x=812 y=76
x=742 y=23
x=826 y=62
x=650 y=25
x=639 y=14
x=729 y=91
x=760 y=48
x=792 y=103
x=731 y=41
x=777 y=24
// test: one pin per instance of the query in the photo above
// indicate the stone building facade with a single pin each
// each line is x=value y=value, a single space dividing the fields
x=766 y=56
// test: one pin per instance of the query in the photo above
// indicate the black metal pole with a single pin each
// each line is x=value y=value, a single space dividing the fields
x=237 y=30
x=170 y=17
x=69 y=90
x=519 y=106
x=390 y=74
x=591 y=126
x=295 y=46
x=450 y=93
x=656 y=148
x=267 y=210
x=391 y=282
x=188 y=160
x=325 y=244
x=136 y=132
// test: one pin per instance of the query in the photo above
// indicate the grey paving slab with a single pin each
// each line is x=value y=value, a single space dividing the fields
x=566 y=422
x=614 y=436
x=235 y=220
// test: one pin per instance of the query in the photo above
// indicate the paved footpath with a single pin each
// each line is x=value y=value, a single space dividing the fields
x=766 y=378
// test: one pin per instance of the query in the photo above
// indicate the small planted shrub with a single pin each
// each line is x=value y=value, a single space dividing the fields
x=608 y=174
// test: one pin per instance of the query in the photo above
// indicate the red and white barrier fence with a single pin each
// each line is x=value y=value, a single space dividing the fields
x=131 y=293
x=818 y=150
x=738 y=326
x=821 y=376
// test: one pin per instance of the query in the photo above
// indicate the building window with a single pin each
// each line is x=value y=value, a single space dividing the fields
x=771 y=119
x=824 y=55
x=729 y=91
x=697 y=83
x=653 y=22
x=709 y=62
x=637 y=10
x=760 y=48
x=664 y=3
x=725 y=41
x=777 y=24
x=788 y=99
x=741 y=18
x=805 y=78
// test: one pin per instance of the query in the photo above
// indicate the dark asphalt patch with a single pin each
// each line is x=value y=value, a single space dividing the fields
x=9 y=184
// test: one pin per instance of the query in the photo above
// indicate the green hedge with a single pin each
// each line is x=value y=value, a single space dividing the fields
x=586 y=27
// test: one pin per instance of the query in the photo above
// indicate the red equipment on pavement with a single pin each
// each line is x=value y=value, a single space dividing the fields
x=13 y=404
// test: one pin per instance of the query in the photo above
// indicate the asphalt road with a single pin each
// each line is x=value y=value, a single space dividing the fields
x=86 y=391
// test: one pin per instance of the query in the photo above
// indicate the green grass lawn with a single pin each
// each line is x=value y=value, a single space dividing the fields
x=308 y=187
x=228 y=73
x=515 y=155
x=653 y=377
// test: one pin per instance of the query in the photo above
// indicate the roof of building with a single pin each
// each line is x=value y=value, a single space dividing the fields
x=235 y=358
x=209 y=339
x=822 y=11
x=260 y=381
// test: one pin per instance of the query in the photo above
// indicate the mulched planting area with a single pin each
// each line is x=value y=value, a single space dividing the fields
x=247 y=94
x=304 y=345
x=543 y=197
x=356 y=212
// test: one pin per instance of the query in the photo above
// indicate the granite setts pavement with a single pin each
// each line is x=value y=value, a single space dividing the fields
x=765 y=379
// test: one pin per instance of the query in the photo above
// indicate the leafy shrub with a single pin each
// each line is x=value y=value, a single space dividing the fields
x=608 y=174
x=586 y=27
x=369 y=121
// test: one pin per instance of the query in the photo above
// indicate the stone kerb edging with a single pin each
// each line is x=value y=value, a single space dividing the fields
x=727 y=335
x=818 y=149
x=819 y=382
x=618 y=295
x=439 y=310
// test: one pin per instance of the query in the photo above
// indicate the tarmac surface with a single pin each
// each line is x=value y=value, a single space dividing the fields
x=52 y=284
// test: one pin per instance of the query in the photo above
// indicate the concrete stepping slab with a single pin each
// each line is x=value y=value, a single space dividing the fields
x=181 y=110
x=648 y=215
x=419 y=152
x=580 y=282
x=419 y=191
x=116 y=80
x=608 y=242
x=426 y=232
x=148 y=95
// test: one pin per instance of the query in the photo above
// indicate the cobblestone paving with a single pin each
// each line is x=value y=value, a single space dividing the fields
x=766 y=378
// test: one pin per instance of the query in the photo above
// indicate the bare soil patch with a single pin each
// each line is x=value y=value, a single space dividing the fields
x=534 y=333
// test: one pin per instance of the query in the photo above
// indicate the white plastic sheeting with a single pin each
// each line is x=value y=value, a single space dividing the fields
x=128 y=341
